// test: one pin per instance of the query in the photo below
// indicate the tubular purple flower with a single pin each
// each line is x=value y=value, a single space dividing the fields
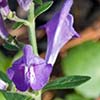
x=25 y=4
x=32 y=71
x=59 y=31
x=3 y=31
x=4 y=8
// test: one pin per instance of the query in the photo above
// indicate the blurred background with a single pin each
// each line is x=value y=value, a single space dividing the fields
x=80 y=56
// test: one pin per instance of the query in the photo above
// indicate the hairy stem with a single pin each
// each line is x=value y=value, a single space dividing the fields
x=32 y=38
x=32 y=35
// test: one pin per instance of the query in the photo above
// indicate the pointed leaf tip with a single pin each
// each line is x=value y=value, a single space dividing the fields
x=66 y=82
x=44 y=7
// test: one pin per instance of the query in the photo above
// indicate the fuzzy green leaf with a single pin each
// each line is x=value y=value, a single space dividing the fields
x=84 y=59
x=66 y=82
x=41 y=9
x=4 y=77
x=14 y=96
x=5 y=61
x=12 y=44
x=38 y=1
x=17 y=25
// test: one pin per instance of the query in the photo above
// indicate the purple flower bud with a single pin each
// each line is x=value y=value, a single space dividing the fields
x=29 y=71
x=3 y=31
x=25 y=4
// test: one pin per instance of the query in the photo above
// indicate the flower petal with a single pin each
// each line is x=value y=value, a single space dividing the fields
x=4 y=8
x=37 y=71
x=29 y=58
x=20 y=80
x=3 y=31
x=42 y=74
x=59 y=31
x=25 y=4
x=29 y=71
x=17 y=75
x=28 y=55
x=71 y=21
x=3 y=3
x=50 y=30
x=11 y=71
x=66 y=8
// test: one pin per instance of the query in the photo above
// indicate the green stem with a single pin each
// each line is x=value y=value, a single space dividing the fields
x=38 y=97
x=31 y=13
x=32 y=35
x=12 y=16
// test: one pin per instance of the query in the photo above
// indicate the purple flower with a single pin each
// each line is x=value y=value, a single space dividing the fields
x=4 y=7
x=3 y=31
x=59 y=31
x=25 y=4
x=29 y=71
x=32 y=71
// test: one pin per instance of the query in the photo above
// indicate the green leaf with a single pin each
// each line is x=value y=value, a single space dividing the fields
x=17 y=25
x=75 y=97
x=14 y=96
x=2 y=97
x=66 y=82
x=5 y=62
x=38 y=1
x=4 y=77
x=41 y=9
x=12 y=44
x=85 y=60
x=10 y=47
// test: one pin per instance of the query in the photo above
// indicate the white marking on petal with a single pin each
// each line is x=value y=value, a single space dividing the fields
x=0 y=0
x=32 y=75
x=26 y=74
